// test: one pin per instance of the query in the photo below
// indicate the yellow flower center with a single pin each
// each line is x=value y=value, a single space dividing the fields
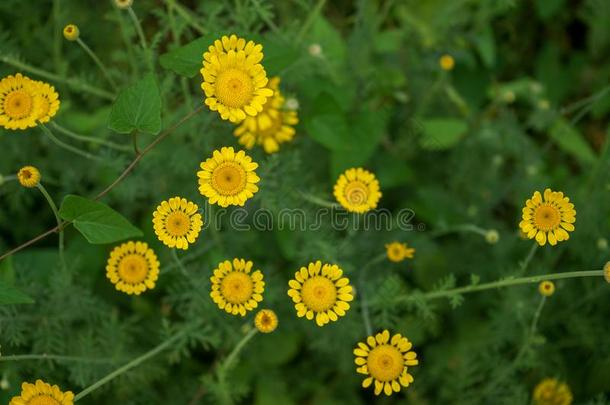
x=385 y=363
x=319 y=293
x=229 y=178
x=43 y=400
x=18 y=104
x=547 y=217
x=177 y=223
x=356 y=192
x=133 y=268
x=234 y=88
x=237 y=287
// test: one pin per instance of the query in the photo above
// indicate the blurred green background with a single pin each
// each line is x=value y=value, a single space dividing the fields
x=525 y=108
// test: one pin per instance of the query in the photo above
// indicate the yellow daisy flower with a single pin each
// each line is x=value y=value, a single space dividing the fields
x=28 y=176
x=236 y=288
x=234 y=81
x=357 y=190
x=548 y=218
x=71 y=32
x=397 y=252
x=265 y=321
x=607 y=272
x=42 y=393
x=546 y=288
x=552 y=392
x=320 y=291
x=49 y=100
x=19 y=106
x=273 y=126
x=228 y=178
x=385 y=361
x=177 y=223
x=446 y=62
x=133 y=267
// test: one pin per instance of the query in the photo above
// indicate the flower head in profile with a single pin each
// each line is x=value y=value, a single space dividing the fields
x=236 y=288
x=272 y=126
x=19 y=105
x=446 y=62
x=133 y=267
x=71 y=32
x=397 y=251
x=548 y=218
x=607 y=272
x=385 y=362
x=320 y=291
x=552 y=392
x=49 y=100
x=234 y=82
x=28 y=176
x=177 y=222
x=41 y=393
x=357 y=190
x=546 y=288
x=265 y=321
x=123 y=4
x=228 y=178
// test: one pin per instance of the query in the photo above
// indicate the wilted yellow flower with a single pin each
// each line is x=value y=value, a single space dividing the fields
x=446 y=62
x=552 y=392
x=270 y=128
x=357 y=190
x=177 y=223
x=265 y=321
x=133 y=267
x=385 y=362
x=398 y=251
x=548 y=219
x=28 y=176
x=42 y=393
x=234 y=81
x=49 y=100
x=228 y=178
x=546 y=288
x=19 y=106
x=71 y=32
x=320 y=291
x=236 y=288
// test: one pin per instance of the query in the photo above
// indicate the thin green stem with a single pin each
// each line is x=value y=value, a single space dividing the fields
x=364 y=305
x=89 y=139
x=5 y=179
x=98 y=62
x=179 y=262
x=459 y=228
x=528 y=258
x=134 y=136
x=534 y=325
x=185 y=14
x=319 y=201
x=505 y=283
x=134 y=363
x=20 y=357
x=127 y=42
x=60 y=228
x=172 y=24
x=64 y=145
x=310 y=19
x=140 y=31
x=225 y=366
x=72 y=82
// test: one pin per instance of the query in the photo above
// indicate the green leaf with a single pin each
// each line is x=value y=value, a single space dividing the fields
x=442 y=133
x=7 y=271
x=188 y=59
x=329 y=130
x=96 y=221
x=486 y=46
x=572 y=142
x=11 y=295
x=138 y=107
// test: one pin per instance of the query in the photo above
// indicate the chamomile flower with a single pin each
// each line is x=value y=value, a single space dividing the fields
x=28 y=176
x=42 y=393
x=19 y=106
x=234 y=82
x=49 y=100
x=548 y=218
x=552 y=392
x=265 y=321
x=546 y=288
x=71 y=32
x=236 y=288
x=385 y=362
x=133 y=267
x=397 y=251
x=177 y=222
x=357 y=190
x=446 y=62
x=320 y=291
